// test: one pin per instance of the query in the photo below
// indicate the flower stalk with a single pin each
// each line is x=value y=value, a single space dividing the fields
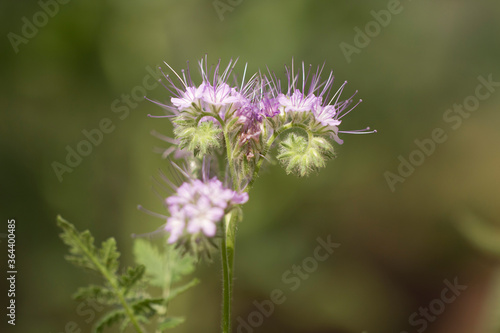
x=227 y=259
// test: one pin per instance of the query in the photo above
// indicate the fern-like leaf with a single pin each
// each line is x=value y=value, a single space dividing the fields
x=131 y=277
x=109 y=319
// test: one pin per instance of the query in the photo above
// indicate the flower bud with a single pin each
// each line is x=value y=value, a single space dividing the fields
x=300 y=157
x=199 y=139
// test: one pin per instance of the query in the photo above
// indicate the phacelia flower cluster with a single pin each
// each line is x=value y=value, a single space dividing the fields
x=254 y=111
x=197 y=207
x=241 y=124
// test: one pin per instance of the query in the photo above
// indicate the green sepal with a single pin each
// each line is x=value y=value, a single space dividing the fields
x=198 y=138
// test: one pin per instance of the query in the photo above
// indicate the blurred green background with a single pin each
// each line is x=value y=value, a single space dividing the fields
x=397 y=247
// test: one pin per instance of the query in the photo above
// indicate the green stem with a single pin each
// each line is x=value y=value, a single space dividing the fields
x=129 y=311
x=229 y=225
x=227 y=256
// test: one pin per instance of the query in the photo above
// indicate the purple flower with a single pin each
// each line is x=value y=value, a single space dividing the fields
x=298 y=102
x=251 y=118
x=268 y=106
x=307 y=101
x=220 y=95
x=175 y=226
x=202 y=216
x=198 y=206
x=313 y=96
x=222 y=98
x=326 y=115
x=252 y=112
x=187 y=98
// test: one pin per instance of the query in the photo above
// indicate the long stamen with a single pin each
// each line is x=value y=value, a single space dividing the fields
x=168 y=151
x=244 y=74
x=183 y=83
x=164 y=137
x=150 y=235
x=147 y=211
x=338 y=93
x=166 y=116
x=350 y=109
x=163 y=187
x=360 y=131
x=328 y=85
x=166 y=180
x=303 y=79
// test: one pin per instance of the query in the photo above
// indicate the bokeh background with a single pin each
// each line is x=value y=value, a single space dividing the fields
x=397 y=247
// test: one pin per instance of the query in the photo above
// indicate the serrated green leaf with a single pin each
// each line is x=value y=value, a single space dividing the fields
x=81 y=262
x=145 y=307
x=148 y=255
x=180 y=265
x=101 y=294
x=171 y=322
x=83 y=251
x=109 y=255
x=124 y=324
x=162 y=268
x=130 y=278
x=81 y=245
x=109 y=319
